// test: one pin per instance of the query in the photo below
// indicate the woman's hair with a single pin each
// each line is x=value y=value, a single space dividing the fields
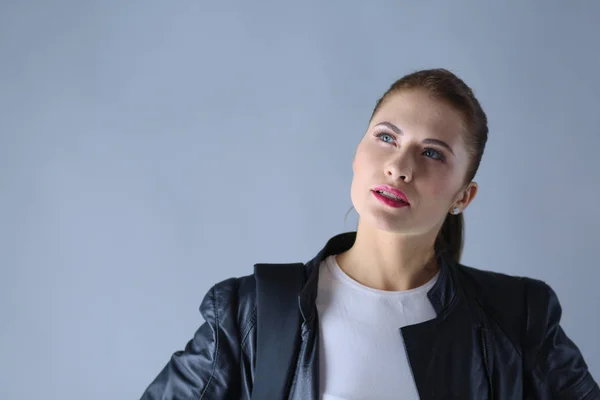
x=443 y=85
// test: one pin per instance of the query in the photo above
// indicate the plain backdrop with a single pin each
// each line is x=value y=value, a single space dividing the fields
x=149 y=149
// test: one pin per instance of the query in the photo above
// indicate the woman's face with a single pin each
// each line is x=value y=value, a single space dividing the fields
x=415 y=144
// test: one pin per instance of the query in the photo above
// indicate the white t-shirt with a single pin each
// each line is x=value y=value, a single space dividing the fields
x=362 y=353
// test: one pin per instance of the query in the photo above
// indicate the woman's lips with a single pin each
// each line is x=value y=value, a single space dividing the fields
x=391 y=193
x=392 y=202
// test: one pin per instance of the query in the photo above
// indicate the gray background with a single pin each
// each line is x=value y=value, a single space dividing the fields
x=149 y=149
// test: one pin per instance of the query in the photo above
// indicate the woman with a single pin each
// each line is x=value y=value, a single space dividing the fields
x=388 y=312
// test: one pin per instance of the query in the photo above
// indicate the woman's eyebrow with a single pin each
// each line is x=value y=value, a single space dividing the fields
x=399 y=132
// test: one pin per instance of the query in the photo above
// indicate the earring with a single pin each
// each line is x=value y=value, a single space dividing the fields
x=455 y=211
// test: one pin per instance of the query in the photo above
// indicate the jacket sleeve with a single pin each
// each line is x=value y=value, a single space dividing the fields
x=554 y=366
x=206 y=369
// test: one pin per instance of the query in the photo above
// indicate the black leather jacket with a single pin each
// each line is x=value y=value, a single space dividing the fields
x=494 y=337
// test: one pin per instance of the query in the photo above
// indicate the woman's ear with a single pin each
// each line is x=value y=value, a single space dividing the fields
x=466 y=196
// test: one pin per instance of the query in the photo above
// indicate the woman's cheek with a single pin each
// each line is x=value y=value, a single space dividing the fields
x=442 y=185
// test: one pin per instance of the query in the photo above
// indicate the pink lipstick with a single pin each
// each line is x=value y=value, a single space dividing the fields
x=390 y=196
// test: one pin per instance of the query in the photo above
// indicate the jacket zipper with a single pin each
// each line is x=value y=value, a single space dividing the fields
x=486 y=362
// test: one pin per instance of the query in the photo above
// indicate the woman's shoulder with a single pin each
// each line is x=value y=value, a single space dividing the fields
x=509 y=295
x=232 y=300
x=501 y=284
x=235 y=287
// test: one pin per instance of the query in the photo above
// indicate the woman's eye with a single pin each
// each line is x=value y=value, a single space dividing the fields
x=385 y=137
x=436 y=155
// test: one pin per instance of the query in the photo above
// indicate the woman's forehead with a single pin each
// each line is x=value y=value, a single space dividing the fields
x=416 y=112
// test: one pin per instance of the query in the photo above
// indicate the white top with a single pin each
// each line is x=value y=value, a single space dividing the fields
x=362 y=354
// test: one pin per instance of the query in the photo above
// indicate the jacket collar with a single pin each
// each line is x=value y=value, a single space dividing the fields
x=440 y=295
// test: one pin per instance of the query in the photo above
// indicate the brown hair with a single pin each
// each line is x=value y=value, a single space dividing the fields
x=443 y=85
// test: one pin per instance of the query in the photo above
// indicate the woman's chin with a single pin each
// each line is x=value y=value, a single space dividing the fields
x=388 y=223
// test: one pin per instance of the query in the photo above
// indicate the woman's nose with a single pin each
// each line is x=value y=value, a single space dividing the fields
x=400 y=168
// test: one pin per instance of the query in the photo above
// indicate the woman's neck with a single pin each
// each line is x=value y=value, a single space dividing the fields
x=388 y=261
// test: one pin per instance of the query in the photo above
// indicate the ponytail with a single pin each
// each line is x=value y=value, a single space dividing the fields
x=449 y=242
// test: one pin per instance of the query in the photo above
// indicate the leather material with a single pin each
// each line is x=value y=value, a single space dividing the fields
x=278 y=327
x=494 y=337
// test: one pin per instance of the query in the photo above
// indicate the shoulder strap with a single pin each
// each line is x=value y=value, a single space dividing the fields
x=278 y=327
